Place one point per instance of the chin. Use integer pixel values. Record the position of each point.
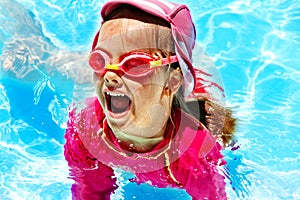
(119, 121)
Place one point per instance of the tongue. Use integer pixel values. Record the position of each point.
(119, 104)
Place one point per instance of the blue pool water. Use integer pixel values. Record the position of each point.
(255, 44)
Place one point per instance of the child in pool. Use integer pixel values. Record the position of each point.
(153, 114)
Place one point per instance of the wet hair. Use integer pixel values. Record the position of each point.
(131, 12)
(218, 119)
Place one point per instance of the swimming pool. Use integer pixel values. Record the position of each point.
(255, 44)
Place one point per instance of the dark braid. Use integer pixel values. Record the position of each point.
(216, 118)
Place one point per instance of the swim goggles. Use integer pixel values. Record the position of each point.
(134, 64)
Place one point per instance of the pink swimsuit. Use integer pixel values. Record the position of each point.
(188, 157)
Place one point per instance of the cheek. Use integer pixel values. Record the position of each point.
(99, 87)
(144, 91)
(147, 96)
(98, 81)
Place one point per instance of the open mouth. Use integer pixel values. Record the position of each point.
(117, 103)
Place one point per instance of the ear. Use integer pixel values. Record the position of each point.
(175, 80)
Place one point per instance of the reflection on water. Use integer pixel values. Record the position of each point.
(255, 44)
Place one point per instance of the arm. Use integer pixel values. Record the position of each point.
(93, 180)
(92, 184)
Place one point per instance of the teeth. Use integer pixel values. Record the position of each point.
(115, 95)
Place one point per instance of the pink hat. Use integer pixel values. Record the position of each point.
(184, 34)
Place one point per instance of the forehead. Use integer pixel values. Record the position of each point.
(120, 36)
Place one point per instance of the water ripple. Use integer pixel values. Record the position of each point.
(255, 45)
(24, 168)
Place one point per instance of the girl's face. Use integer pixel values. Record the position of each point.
(135, 107)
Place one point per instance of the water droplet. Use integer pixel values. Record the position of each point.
(162, 177)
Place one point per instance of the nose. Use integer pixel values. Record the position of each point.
(112, 80)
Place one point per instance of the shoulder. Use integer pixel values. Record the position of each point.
(196, 138)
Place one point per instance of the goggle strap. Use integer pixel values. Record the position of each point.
(164, 61)
(170, 60)
(156, 63)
